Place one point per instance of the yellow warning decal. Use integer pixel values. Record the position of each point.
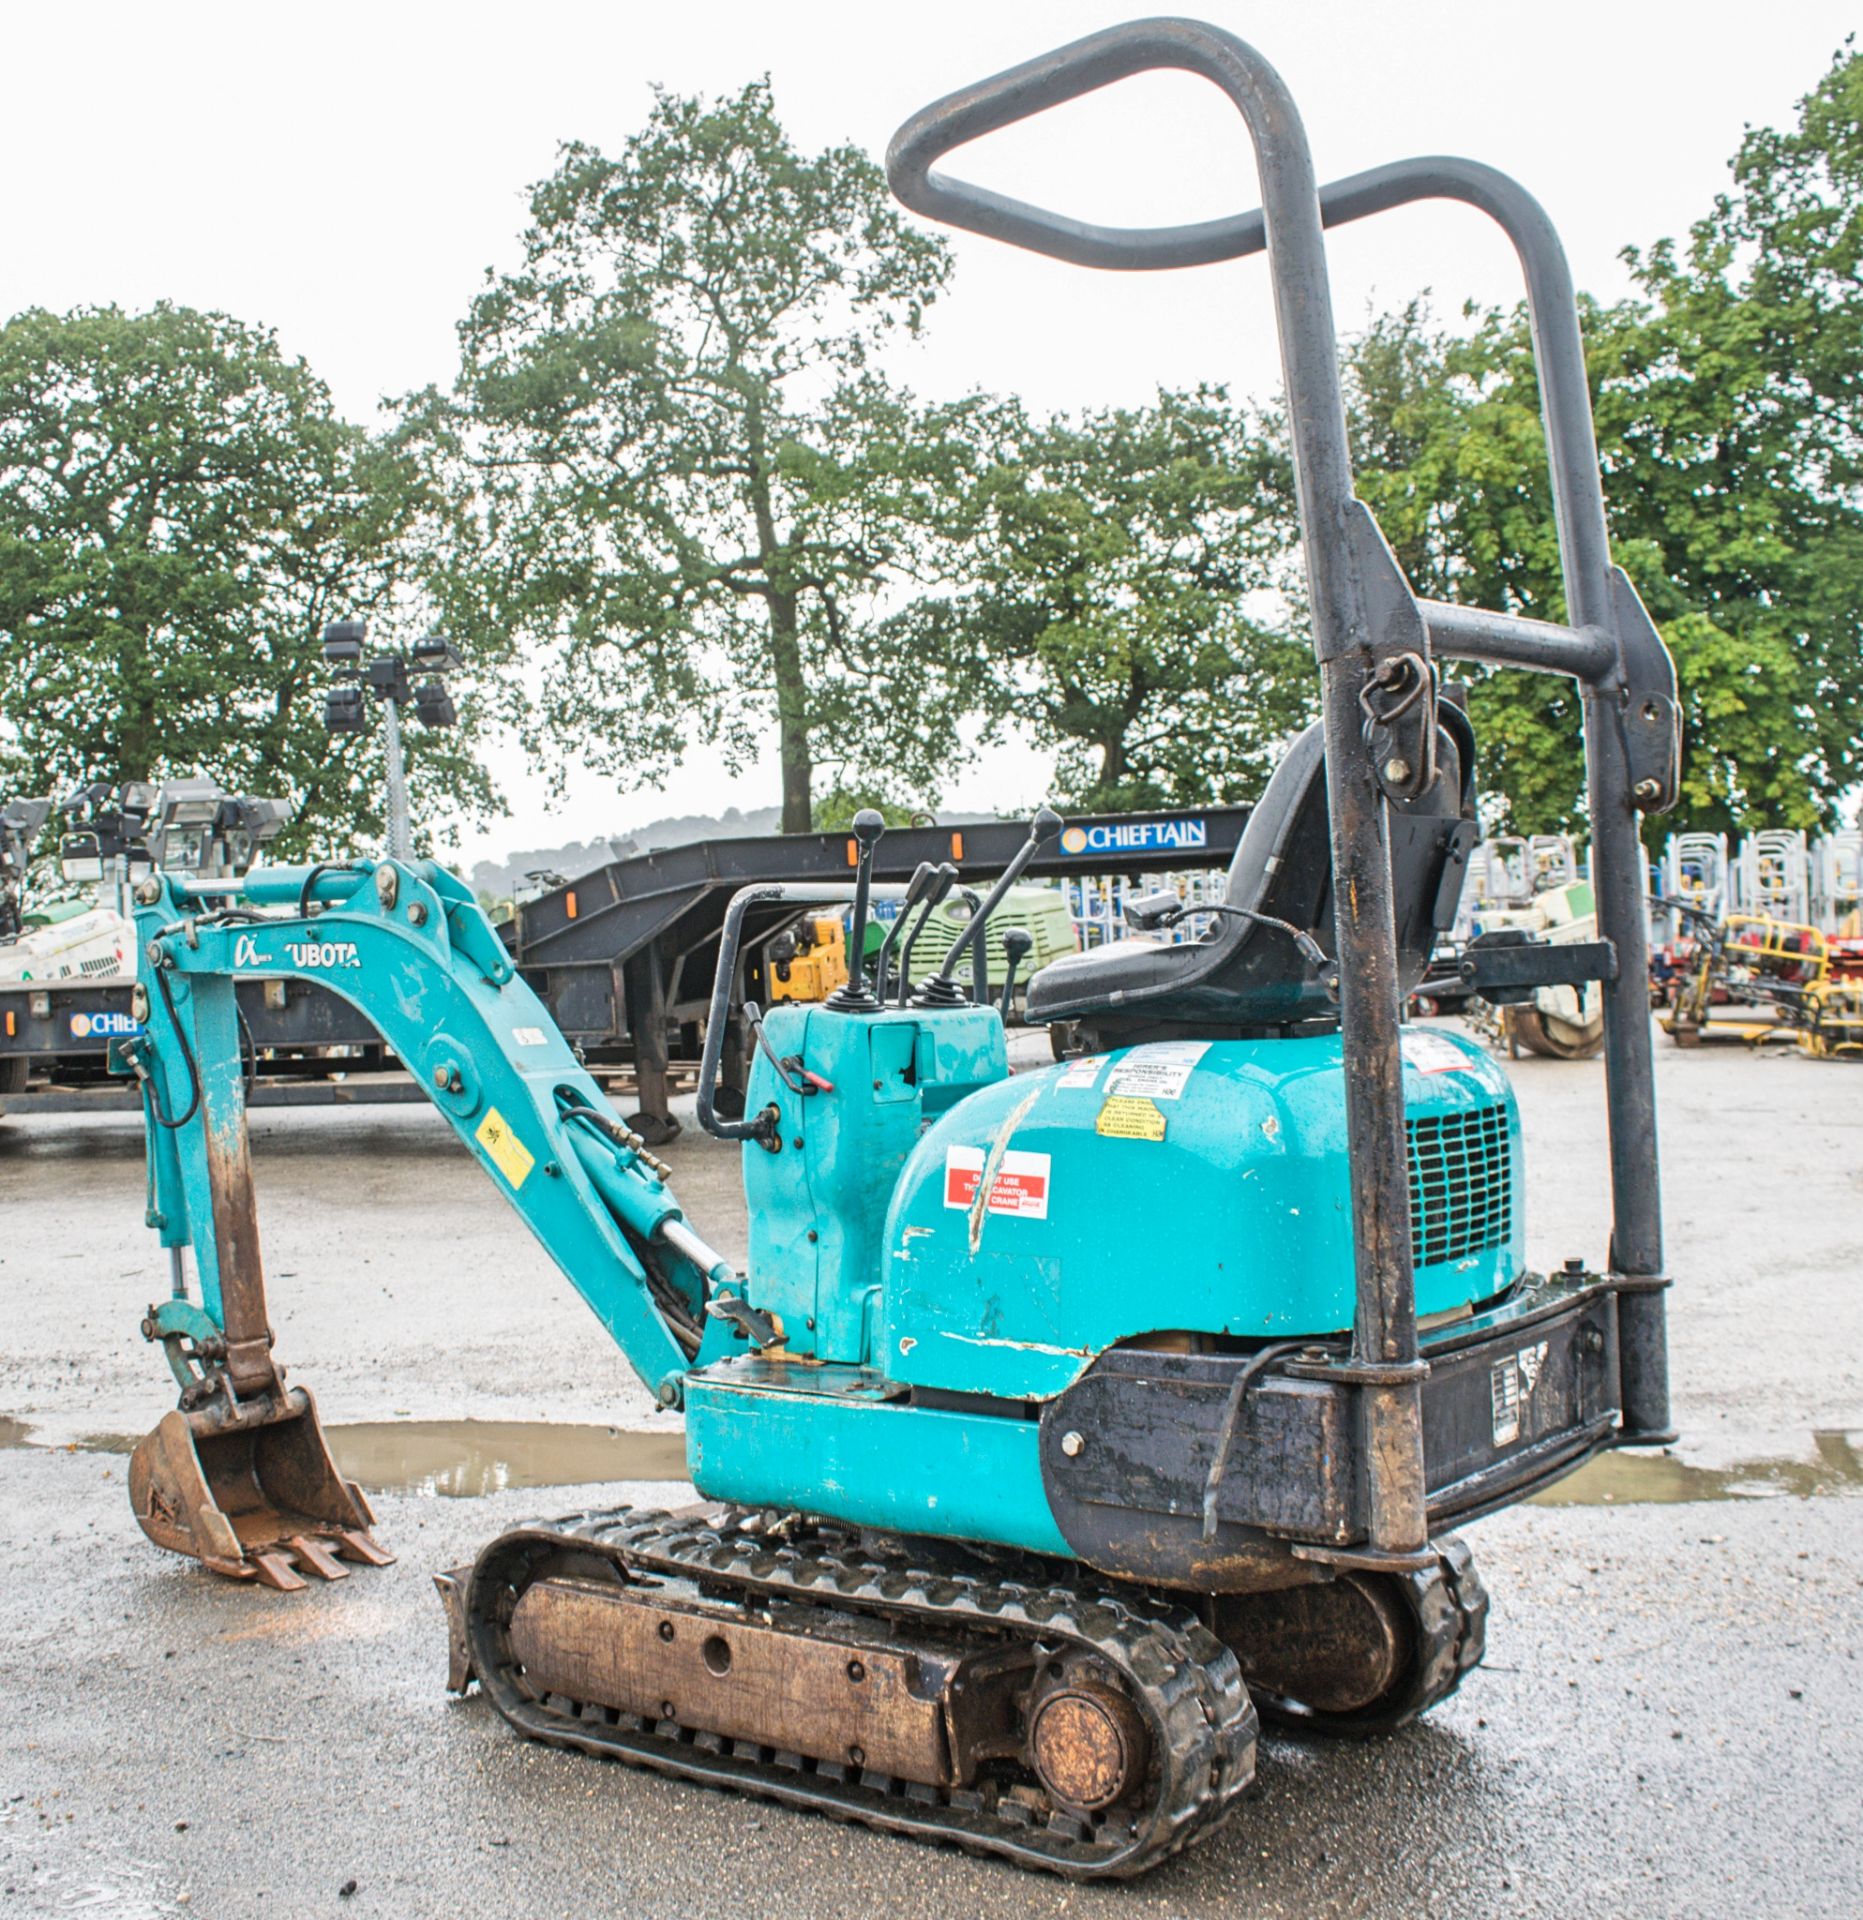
(508, 1153)
(1127, 1117)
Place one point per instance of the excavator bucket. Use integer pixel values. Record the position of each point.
(252, 1493)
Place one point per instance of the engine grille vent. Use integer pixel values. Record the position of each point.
(1461, 1184)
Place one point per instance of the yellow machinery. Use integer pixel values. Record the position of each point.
(1771, 980)
(807, 961)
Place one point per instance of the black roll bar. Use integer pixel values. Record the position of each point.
(1364, 616)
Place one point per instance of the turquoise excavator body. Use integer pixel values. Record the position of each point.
(1060, 1421)
(939, 1249)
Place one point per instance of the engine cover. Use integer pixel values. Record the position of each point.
(1196, 1186)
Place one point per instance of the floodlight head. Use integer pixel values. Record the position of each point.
(80, 857)
(387, 676)
(435, 653)
(81, 802)
(20, 821)
(187, 804)
(135, 801)
(260, 820)
(342, 644)
(343, 710)
(434, 705)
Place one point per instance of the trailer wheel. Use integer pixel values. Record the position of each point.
(1552, 1039)
(14, 1067)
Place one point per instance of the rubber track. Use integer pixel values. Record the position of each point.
(1185, 1682)
(1449, 1607)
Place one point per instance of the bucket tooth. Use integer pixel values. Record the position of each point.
(352, 1543)
(276, 1571)
(249, 1489)
(317, 1557)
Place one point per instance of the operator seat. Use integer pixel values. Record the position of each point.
(1243, 976)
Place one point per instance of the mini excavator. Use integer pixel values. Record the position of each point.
(1063, 1422)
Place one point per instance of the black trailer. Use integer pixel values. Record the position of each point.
(623, 956)
(59, 1032)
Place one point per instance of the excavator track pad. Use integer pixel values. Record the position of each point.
(1006, 1704)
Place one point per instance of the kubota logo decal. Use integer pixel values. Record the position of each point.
(323, 953)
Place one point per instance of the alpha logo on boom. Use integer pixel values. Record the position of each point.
(302, 953)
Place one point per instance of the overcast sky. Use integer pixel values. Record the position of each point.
(346, 173)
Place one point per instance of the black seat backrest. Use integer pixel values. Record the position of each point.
(1246, 975)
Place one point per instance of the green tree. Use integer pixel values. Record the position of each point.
(1118, 560)
(700, 506)
(181, 512)
(1729, 402)
(1735, 422)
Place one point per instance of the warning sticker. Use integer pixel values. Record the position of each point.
(1433, 1053)
(1126, 1118)
(1082, 1072)
(1510, 1390)
(1158, 1070)
(1504, 1399)
(1020, 1187)
(506, 1151)
(530, 1036)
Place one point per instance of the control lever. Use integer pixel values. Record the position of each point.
(915, 892)
(979, 963)
(941, 990)
(853, 995)
(1018, 944)
(944, 878)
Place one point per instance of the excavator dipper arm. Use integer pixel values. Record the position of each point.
(409, 947)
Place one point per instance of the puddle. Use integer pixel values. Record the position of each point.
(1633, 1478)
(459, 1459)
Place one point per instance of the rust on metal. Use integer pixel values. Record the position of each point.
(252, 1493)
(798, 1687)
(1336, 1646)
(243, 1312)
(1087, 1745)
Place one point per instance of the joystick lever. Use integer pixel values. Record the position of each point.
(854, 996)
(941, 989)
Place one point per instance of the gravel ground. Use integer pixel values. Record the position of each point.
(1668, 1722)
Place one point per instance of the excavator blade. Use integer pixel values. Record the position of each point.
(252, 1493)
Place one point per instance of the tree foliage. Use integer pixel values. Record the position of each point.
(181, 512)
(702, 507)
(1117, 561)
(1729, 403)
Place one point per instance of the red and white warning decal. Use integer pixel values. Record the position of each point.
(1433, 1053)
(1020, 1186)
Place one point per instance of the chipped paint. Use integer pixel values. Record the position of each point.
(993, 1163)
(1019, 1346)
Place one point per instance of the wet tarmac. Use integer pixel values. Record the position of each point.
(1668, 1722)
(464, 1459)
